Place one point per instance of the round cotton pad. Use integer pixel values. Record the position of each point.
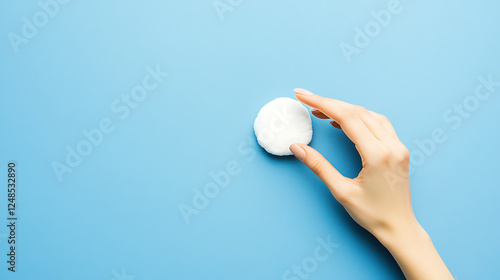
(281, 123)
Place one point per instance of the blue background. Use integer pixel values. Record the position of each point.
(119, 209)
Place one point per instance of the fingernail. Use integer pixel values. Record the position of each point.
(335, 124)
(303, 91)
(298, 152)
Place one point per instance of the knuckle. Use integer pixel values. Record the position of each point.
(345, 197)
(361, 109)
(384, 156)
(342, 198)
(380, 117)
(390, 156)
(383, 118)
(403, 155)
(345, 114)
(384, 151)
(317, 168)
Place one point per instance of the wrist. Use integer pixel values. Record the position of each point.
(402, 234)
(412, 248)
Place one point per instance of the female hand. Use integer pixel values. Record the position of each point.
(379, 198)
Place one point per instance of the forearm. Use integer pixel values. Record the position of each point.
(415, 254)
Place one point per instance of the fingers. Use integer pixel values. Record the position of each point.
(335, 124)
(379, 125)
(375, 126)
(320, 115)
(346, 115)
(385, 123)
(335, 181)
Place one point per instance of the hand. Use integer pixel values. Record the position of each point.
(379, 198)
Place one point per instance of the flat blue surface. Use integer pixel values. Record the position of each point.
(116, 214)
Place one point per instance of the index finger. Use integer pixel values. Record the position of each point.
(343, 113)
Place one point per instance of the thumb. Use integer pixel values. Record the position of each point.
(335, 181)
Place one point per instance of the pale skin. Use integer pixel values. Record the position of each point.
(379, 198)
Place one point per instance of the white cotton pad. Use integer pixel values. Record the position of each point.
(281, 123)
